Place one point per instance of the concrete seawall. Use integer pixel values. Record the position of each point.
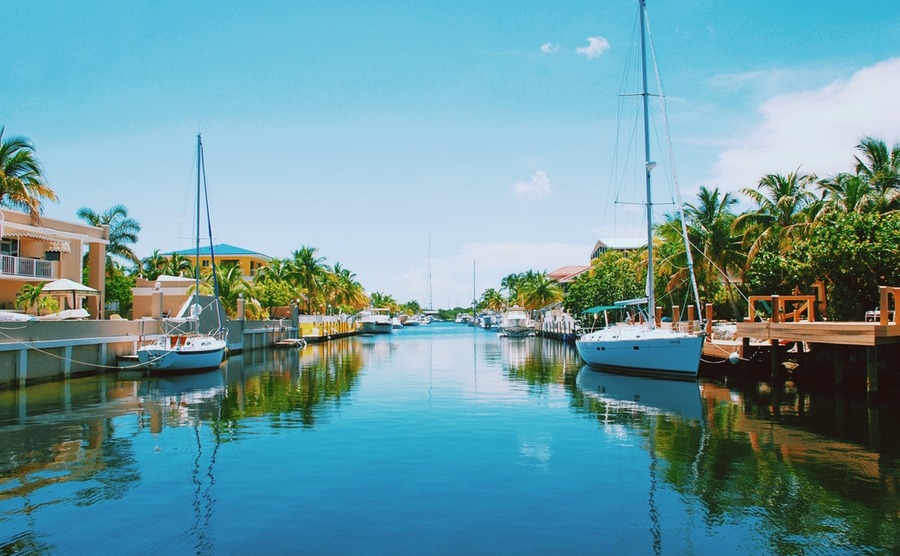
(42, 351)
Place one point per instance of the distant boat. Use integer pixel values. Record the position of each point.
(644, 346)
(183, 348)
(376, 321)
(516, 322)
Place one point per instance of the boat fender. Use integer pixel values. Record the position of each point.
(734, 358)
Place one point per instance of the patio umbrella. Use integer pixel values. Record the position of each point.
(64, 286)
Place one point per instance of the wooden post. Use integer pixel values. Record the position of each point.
(872, 370)
(676, 316)
(838, 366)
(658, 315)
(709, 319)
(691, 318)
(883, 307)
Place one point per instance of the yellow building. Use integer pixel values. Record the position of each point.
(33, 251)
(249, 261)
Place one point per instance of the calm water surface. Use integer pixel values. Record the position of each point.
(441, 439)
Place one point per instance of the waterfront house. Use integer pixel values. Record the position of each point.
(617, 244)
(35, 251)
(249, 261)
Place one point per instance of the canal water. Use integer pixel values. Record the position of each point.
(442, 439)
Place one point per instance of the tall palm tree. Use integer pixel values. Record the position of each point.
(881, 168)
(22, 183)
(345, 289)
(123, 230)
(717, 252)
(307, 272)
(785, 210)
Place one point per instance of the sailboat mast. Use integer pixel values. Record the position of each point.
(648, 167)
(197, 235)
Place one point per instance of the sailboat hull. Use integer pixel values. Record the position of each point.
(642, 351)
(198, 353)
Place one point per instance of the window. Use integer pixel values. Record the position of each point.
(9, 247)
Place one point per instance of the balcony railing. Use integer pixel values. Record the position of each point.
(20, 266)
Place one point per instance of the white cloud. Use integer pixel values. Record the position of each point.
(534, 190)
(549, 48)
(596, 46)
(815, 130)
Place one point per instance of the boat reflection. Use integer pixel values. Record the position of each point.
(679, 398)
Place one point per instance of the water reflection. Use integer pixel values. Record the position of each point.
(758, 458)
(536, 361)
(788, 471)
(81, 432)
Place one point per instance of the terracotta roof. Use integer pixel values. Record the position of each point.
(567, 273)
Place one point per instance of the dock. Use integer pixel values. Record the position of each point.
(786, 326)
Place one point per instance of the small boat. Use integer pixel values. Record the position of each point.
(640, 345)
(183, 348)
(376, 321)
(516, 323)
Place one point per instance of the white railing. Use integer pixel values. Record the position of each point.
(20, 266)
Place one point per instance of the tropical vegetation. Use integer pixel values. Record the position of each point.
(800, 228)
(22, 183)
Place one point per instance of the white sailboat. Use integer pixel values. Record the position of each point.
(183, 348)
(645, 346)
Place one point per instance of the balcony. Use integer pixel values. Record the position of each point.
(33, 268)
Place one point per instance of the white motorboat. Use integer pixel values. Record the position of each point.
(516, 322)
(645, 346)
(376, 321)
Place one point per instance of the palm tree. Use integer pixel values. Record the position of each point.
(881, 168)
(22, 184)
(379, 299)
(846, 193)
(179, 265)
(307, 273)
(276, 270)
(716, 248)
(785, 211)
(493, 300)
(151, 267)
(29, 295)
(123, 230)
(537, 291)
(344, 290)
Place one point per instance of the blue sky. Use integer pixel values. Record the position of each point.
(371, 130)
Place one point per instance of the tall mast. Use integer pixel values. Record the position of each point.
(648, 167)
(429, 274)
(197, 235)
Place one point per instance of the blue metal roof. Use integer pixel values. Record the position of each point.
(221, 250)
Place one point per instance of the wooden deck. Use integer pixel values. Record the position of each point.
(823, 332)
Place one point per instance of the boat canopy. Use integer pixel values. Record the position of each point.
(628, 302)
(595, 310)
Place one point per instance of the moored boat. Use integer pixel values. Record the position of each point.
(183, 347)
(640, 344)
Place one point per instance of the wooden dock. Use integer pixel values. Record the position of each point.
(801, 325)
